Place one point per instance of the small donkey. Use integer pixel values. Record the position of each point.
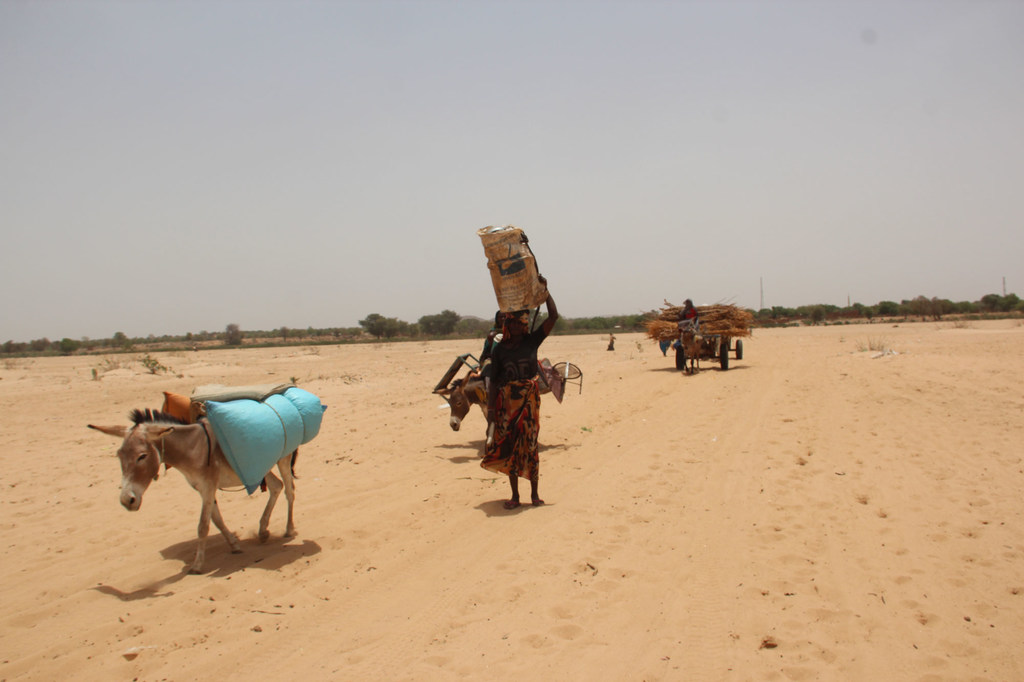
(157, 438)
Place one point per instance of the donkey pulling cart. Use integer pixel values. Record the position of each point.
(717, 333)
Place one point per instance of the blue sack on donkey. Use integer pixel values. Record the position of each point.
(255, 434)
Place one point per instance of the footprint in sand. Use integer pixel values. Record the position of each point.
(568, 631)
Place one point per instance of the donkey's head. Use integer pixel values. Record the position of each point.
(140, 453)
(459, 404)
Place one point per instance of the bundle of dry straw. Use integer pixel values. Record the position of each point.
(661, 330)
(727, 320)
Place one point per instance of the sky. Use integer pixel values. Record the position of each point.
(174, 167)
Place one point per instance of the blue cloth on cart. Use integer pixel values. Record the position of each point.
(254, 435)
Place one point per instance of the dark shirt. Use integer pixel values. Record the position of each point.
(489, 345)
(519, 362)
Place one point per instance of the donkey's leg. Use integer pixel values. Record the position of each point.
(274, 489)
(285, 467)
(207, 492)
(218, 521)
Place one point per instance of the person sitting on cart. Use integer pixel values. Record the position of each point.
(688, 320)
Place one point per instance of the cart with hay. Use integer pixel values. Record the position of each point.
(720, 332)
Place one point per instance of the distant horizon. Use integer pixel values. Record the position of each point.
(483, 318)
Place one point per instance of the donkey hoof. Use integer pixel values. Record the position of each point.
(264, 535)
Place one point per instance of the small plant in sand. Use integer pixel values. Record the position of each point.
(878, 344)
(961, 324)
(153, 365)
(109, 365)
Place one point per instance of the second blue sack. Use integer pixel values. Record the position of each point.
(254, 435)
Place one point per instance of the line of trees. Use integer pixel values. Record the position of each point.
(921, 306)
(232, 335)
(448, 323)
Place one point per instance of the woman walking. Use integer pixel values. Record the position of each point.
(513, 402)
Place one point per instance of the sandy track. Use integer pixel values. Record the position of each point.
(862, 514)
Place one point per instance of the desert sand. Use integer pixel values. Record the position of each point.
(820, 511)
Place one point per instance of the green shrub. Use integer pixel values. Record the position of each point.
(153, 365)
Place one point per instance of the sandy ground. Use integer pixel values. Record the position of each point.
(818, 512)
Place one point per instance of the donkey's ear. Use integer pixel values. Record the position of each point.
(154, 434)
(119, 431)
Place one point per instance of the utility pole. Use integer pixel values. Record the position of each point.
(1004, 286)
(762, 292)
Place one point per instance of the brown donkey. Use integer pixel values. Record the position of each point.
(471, 390)
(691, 344)
(157, 438)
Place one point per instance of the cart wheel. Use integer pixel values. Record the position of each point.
(680, 358)
(739, 349)
(723, 354)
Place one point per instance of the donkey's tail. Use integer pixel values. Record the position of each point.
(291, 465)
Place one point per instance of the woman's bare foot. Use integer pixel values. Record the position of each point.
(511, 504)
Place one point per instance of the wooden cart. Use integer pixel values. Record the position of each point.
(720, 331)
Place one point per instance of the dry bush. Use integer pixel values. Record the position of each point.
(879, 344)
(110, 364)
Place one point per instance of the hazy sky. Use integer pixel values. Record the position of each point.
(168, 167)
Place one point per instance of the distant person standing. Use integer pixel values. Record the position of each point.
(611, 342)
(513, 402)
